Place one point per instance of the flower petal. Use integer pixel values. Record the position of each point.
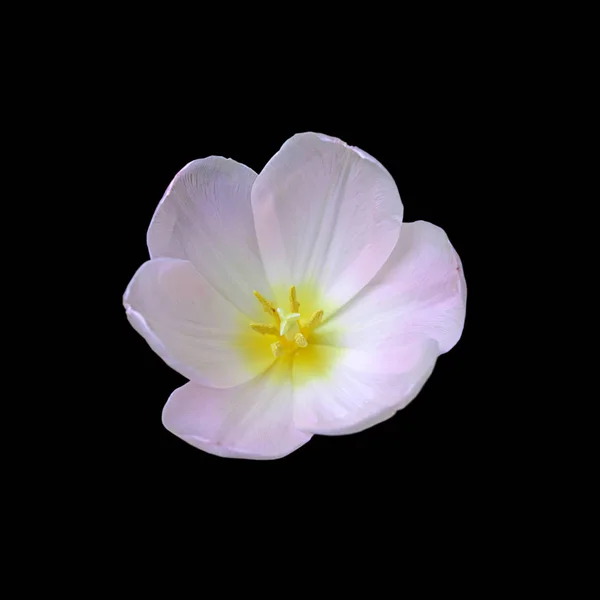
(249, 421)
(327, 216)
(384, 343)
(419, 293)
(362, 388)
(191, 326)
(206, 217)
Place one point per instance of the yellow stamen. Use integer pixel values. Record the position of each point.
(267, 306)
(277, 349)
(300, 340)
(291, 332)
(264, 328)
(294, 304)
(314, 320)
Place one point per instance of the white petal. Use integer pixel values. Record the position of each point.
(250, 421)
(327, 216)
(191, 326)
(206, 217)
(419, 293)
(362, 388)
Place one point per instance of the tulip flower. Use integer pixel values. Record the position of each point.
(295, 301)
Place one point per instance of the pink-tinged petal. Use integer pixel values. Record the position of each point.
(191, 326)
(327, 217)
(253, 420)
(419, 293)
(384, 343)
(361, 389)
(206, 217)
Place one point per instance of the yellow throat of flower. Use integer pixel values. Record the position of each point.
(289, 330)
(290, 338)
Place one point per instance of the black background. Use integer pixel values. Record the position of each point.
(432, 143)
(453, 118)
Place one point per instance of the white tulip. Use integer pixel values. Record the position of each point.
(295, 301)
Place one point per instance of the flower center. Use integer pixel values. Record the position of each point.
(289, 328)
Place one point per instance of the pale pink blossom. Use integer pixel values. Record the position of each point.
(295, 301)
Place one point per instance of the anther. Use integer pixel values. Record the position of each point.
(294, 304)
(300, 340)
(264, 328)
(277, 349)
(314, 320)
(267, 306)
